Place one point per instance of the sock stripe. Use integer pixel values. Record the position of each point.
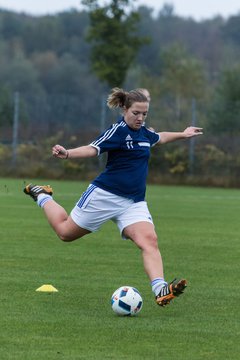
(158, 285)
(157, 280)
(43, 199)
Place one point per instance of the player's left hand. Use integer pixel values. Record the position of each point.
(192, 131)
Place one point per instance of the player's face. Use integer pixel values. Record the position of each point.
(135, 116)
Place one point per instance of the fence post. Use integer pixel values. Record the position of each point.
(15, 128)
(192, 140)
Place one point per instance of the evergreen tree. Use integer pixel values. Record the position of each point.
(226, 109)
(115, 44)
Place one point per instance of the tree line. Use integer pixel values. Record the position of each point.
(47, 60)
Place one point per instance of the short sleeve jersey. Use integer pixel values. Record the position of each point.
(127, 163)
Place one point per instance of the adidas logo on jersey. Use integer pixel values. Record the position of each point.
(128, 138)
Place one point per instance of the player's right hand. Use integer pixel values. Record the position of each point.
(59, 151)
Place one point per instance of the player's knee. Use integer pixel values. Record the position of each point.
(148, 241)
(70, 232)
(66, 237)
(152, 240)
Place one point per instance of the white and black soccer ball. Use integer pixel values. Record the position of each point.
(126, 301)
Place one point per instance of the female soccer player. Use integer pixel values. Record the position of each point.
(118, 193)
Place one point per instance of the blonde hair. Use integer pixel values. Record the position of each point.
(120, 98)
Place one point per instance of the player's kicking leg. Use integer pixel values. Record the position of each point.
(61, 222)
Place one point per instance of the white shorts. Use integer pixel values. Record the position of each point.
(96, 206)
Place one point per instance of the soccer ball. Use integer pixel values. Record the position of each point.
(126, 301)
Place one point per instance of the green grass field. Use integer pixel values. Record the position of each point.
(199, 239)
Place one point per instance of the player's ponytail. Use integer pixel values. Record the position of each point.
(118, 98)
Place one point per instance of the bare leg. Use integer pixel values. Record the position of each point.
(144, 236)
(62, 224)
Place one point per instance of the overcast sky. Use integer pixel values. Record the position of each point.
(199, 10)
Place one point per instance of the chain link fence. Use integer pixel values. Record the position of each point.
(40, 122)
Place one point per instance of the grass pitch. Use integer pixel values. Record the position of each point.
(198, 232)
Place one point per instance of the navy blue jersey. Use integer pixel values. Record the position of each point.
(127, 164)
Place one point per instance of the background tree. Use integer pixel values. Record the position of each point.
(182, 75)
(115, 43)
(226, 110)
(47, 60)
(231, 29)
(6, 106)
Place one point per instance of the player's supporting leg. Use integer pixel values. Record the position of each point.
(57, 216)
(144, 236)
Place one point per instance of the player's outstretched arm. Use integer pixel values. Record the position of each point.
(80, 152)
(189, 132)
